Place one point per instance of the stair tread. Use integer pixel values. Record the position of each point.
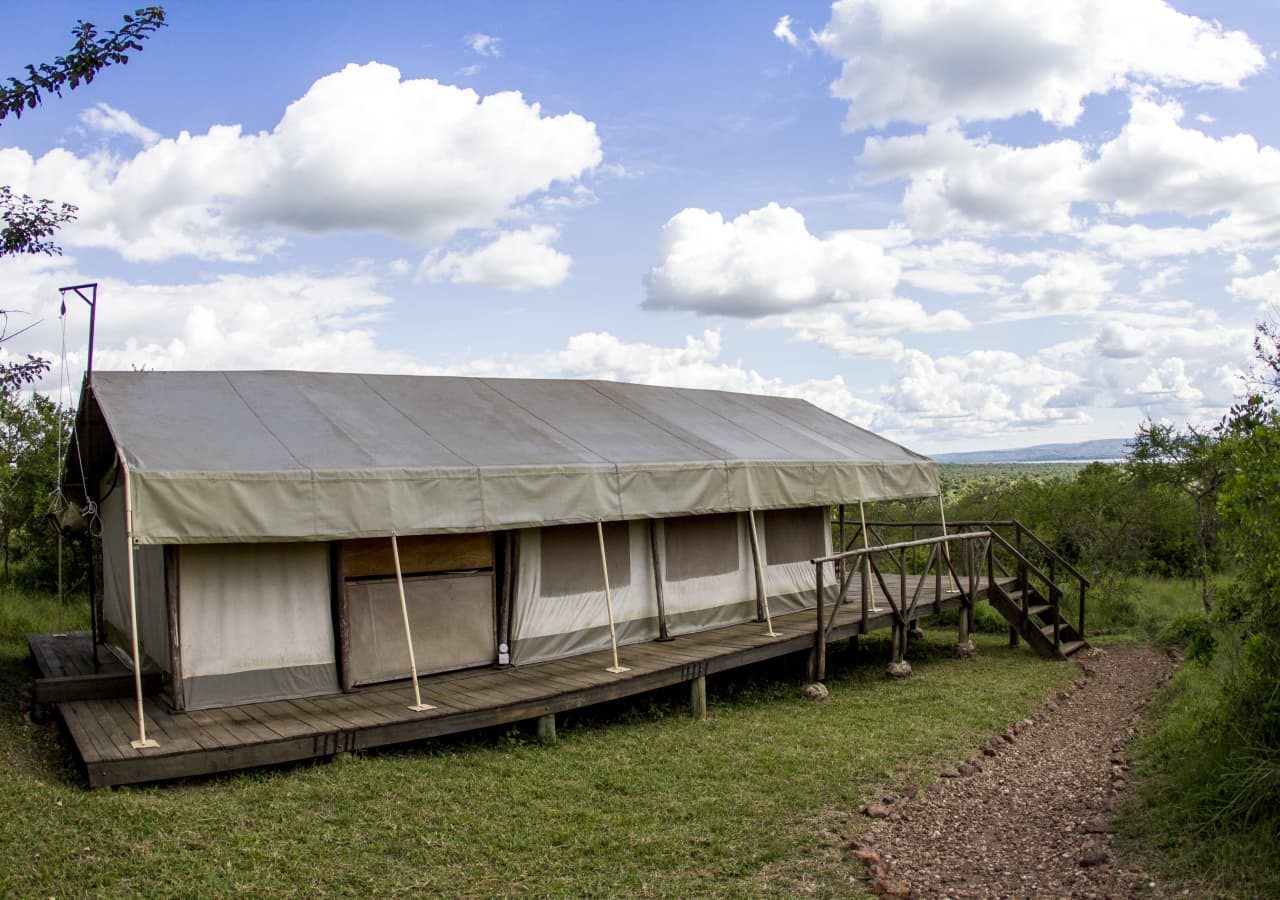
(1070, 647)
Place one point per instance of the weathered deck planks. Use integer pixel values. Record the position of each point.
(280, 731)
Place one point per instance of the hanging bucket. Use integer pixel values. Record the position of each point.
(66, 519)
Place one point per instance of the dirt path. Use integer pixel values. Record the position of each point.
(1030, 815)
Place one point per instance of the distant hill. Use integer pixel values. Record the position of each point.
(1107, 449)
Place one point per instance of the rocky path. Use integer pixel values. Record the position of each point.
(1029, 815)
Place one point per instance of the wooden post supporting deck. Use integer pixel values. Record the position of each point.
(820, 637)
(698, 697)
(547, 729)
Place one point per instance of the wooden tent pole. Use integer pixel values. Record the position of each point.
(143, 741)
(61, 628)
(868, 589)
(418, 705)
(617, 668)
(946, 548)
(764, 586)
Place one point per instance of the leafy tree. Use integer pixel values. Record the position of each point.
(91, 54)
(30, 431)
(1193, 461)
(27, 225)
(1266, 348)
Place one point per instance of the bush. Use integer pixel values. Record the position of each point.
(1193, 634)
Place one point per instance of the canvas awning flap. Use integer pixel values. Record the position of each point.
(274, 456)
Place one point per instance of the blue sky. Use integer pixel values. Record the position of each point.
(964, 225)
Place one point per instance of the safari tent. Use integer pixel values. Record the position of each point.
(260, 508)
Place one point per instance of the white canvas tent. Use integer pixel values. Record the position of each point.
(263, 503)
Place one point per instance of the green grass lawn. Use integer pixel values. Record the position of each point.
(635, 799)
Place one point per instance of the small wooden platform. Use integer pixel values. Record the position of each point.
(220, 740)
(69, 671)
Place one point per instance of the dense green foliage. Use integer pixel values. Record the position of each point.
(32, 430)
(1187, 503)
(1212, 764)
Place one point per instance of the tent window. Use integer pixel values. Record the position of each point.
(698, 546)
(571, 558)
(794, 535)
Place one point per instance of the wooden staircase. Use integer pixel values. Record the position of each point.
(1036, 620)
(1039, 592)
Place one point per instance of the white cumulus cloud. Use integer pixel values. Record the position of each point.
(764, 261)
(361, 150)
(515, 260)
(782, 31)
(929, 61)
(109, 120)
(484, 44)
(962, 184)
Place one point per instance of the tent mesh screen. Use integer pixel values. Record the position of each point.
(698, 546)
(571, 558)
(794, 535)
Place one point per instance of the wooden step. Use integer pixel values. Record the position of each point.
(1069, 647)
(1039, 609)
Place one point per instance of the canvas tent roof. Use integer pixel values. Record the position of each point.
(271, 456)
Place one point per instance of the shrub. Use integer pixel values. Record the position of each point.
(1193, 634)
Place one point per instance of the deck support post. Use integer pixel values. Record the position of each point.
(617, 668)
(899, 667)
(698, 698)
(820, 635)
(965, 647)
(143, 741)
(547, 729)
(418, 705)
(868, 596)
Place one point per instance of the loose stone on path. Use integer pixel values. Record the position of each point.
(1035, 819)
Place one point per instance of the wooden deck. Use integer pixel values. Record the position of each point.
(217, 740)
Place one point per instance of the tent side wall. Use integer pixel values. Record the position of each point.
(153, 621)
(256, 623)
(789, 538)
(708, 578)
(559, 606)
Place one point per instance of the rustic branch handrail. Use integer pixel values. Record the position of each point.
(1021, 557)
(987, 523)
(922, 542)
(1053, 554)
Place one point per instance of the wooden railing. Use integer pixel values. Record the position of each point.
(1019, 551)
(964, 571)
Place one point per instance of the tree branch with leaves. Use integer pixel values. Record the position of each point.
(1192, 461)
